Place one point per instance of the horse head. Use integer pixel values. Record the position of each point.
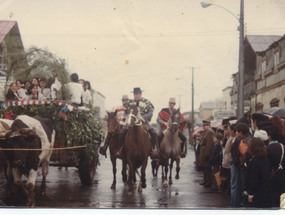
(174, 120)
(133, 116)
(112, 122)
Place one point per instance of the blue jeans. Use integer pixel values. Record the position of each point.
(235, 187)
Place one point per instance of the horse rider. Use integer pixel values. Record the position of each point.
(121, 118)
(162, 119)
(146, 109)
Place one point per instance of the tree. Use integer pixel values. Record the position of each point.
(34, 62)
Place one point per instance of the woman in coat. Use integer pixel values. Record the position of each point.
(258, 175)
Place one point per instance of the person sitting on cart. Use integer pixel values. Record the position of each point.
(75, 90)
(120, 113)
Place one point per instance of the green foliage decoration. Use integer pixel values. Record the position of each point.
(79, 127)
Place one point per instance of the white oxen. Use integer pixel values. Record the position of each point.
(27, 133)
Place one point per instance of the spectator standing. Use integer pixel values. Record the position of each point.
(258, 175)
(207, 145)
(276, 151)
(226, 165)
(197, 145)
(276, 120)
(216, 161)
(235, 174)
(243, 131)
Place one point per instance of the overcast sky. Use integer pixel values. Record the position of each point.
(122, 44)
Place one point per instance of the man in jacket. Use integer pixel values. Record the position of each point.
(162, 119)
(146, 109)
(207, 145)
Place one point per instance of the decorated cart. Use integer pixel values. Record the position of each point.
(78, 132)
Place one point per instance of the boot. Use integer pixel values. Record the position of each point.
(183, 145)
(182, 153)
(103, 149)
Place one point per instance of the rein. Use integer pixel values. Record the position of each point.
(137, 122)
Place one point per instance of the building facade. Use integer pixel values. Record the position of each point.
(270, 77)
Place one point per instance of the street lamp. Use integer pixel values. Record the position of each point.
(240, 97)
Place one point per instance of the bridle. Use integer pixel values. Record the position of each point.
(137, 121)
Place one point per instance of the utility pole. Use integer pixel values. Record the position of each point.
(240, 99)
(192, 112)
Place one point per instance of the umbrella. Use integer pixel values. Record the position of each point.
(275, 111)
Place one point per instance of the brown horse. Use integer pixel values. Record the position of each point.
(114, 147)
(137, 146)
(170, 148)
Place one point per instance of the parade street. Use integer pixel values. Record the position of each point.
(64, 190)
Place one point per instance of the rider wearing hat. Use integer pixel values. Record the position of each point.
(120, 114)
(162, 119)
(146, 109)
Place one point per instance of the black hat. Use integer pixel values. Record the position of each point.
(206, 122)
(263, 124)
(259, 117)
(137, 90)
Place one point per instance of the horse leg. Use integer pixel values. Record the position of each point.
(162, 172)
(177, 168)
(143, 179)
(165, 184)
(170, 174)
(132, 175)
(124, 171)
(114, 163)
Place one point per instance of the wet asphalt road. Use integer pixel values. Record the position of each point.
(64, 190)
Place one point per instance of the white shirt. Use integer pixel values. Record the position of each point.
(44, 94)
(55, 87)
(75, 91)
(87, 97)
(22, 94)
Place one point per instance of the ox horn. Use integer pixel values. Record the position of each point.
(3, 135)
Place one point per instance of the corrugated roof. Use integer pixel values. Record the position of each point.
(5, 28)
(260, 43)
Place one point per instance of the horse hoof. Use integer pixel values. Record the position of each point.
(170, 182)
(140, 189)
(113, 187)
(165, 184)
(130, 193)
(177, 177)
(135, 185)
(143, 185)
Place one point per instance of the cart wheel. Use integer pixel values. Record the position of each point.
(86, 169)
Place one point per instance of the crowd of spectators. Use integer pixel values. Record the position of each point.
(246, 159)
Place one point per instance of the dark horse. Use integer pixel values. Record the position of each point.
(170, 148)
(137, 146)
(114, 147)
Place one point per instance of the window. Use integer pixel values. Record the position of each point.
(276, 57)
(263, 65)
(274, 102)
